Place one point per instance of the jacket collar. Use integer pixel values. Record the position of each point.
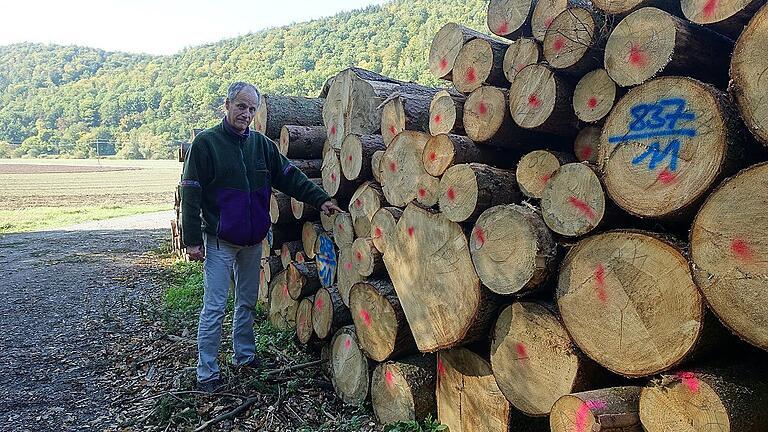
(230, 130)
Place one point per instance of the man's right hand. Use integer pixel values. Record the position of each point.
(196, 253)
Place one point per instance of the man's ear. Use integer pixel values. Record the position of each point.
(226, 104)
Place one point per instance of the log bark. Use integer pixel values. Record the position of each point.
(621, 8)
(726, 18)
(343, 230)
(446, 113)
(594, 96)
(366, 201)
(587, 144)
(289, 250)
(383, 227)
(445, 47)
(606, 410)
(382, 328)
(334, 183)
(303, 280)
(510, 18)
(325, 257)
(404, 390)
(351, 369)
(305, 212)
(747, 87)
(629, 301)
(536, 168)
(574, 44)
(282, 308)
(330, 312)
(404, 112)
(304, 332)
(480, 62)
(665, 145)
(272, 265)
(726, 251)
(367, 260)
(302, 142)
(487, 121)
(425, 244)
(466, 190)
(401, 165)
(535, 362)
(650, 42)
(276, 111)
(542, 101)
(468, 398)
(573, 202)
(357, 154)
(521, 53)
(444, 151)
(512, 249)
(280, 234)
(731, 398)
(312, 168)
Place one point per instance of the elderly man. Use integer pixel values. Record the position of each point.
(225, 190)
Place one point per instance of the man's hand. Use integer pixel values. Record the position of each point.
(196, 253)
(328, 208)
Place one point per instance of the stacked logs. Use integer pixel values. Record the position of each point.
(178, 249)
(554, 243)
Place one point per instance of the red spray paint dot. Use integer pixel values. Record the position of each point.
(545, 178)
(533, 100)
(592, 103)
(471, 75)
(666, 177)
(709, 8)
(558, 44)
(602, 293)
(347, 344)
(333, 130)
(440, 367)
(392, 166)
(390, 379)
(377, 232)
(503, 28)
(422, 193)
(349, 158)
(438, 118)
(319, 303)
(637, 57)
(741, 250)
(358, 256)
(285, 290)
(586, 153)
(366, 317)
(341, 227)
(583, 207)
(432, 156)
(410, 231)
(451, 194)
(689, 381)
(358, 203)
(548, 22)
(480, 236)
(348, 266)
(522, 351)
(443, 63)
(392, 130)
(482, 108)
(333, 177)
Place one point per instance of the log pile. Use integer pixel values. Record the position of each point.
(553, 243)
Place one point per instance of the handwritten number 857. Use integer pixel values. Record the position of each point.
(664, 114)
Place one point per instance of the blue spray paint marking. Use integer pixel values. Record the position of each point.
(654, 121)
(326, 260)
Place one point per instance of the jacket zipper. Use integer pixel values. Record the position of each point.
(248, 189)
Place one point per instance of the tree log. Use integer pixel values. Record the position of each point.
(512, 249)
(383, 227)
(302, 142)
(381, 325)
(468, 398)
(605, 410)
(325, 257)
(666, 144)
(542, 101)
(466, 190)
(282, 308)
(480, 62)
(401, 165)
(727, 18)
(367, 260)
(748, 86)
(312, 168)
(427, 190)
(347, 274)
(263, 297)
(536, 168)
(404, 391)
(510, 18)
(328, 221)
(351, 369)
(629, 301)
(279, 234)
(521, 53)
(487, 120)
(534, 360)
(276, 111)
(288, 252)
(357, 154)
(424, 245)
(446, 113)
(621, 8)
(727, 246)
(574, 44)
(727, 399)
(444, 151)
(594, 96)
(405, 112)
(573, 202)
(334, 183)
(280, 211)
(587, 143)
(649, 42)
(305, 212)
(303, 280)
(330, 312)
(366, 201)
(272, 265)
(304, 332)
(376, 165)
(445, 47)
(343, 230)
(545, 12)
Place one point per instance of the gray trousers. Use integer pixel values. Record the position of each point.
(222, 260)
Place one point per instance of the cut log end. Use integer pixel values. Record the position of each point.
(475, 66)
(309, 233)
(282, 308)
(466, 190)
(485, 110)
(586, 144)
(356, 153)
(534, 171)
(521, 53)
(544, 14)
(685, 401)
(347, 274)
(404, 391)
(570, 37)
(383, 227)
(445, 114)
(366, 201)
(401, 165)
(332, 176)
(304, 331)
(351, 376)
(366, 259)
(594, 96)
(343, 230)
(329, 313)
(508, 18)
(748, 65)
(379, 320)
(608, 409)
(573, 201)
(537, 98)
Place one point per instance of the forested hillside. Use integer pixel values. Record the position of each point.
(56, 99)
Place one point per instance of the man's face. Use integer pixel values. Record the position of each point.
(241, 110)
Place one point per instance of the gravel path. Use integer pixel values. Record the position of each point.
(67, 295)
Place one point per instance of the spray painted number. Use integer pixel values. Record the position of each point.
(655, 122)
(326, 260)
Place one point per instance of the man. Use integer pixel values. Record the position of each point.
(228, 178)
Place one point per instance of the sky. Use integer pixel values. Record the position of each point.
(154, 26)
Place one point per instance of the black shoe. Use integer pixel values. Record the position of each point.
(209, 386)
(257, 363)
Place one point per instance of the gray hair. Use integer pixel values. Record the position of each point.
(238, 86)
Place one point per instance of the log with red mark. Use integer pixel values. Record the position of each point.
(602, 293)
(689, 380)
(742, 250)
(533, 101)
(583, 207)
(366, 317)
(637, 57)
(480, 236)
